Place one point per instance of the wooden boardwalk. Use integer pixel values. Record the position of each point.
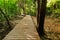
(24, 30)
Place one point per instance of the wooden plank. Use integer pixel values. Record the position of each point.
(24, 30)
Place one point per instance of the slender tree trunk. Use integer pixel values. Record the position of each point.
(24, 8)
(21, 4)
(19, 7)
(55, 6)
(41, 13)
(24, 11)
(38, 12)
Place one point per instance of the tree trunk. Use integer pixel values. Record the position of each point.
(21, 4)
(41, 13)
(38, 12)
(24, 8)
(19, 13)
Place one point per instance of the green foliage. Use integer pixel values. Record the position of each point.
(56, 13)
(9, 7)
(31, 7)
(49, 11)
(53, 8)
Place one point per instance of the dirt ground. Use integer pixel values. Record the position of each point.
(51, 27)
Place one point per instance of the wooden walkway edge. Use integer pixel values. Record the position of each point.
(24, 30)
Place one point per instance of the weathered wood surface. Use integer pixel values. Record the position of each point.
(24, 30)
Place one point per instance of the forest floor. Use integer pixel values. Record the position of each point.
(51, 27)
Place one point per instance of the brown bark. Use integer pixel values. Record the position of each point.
(38, 12)
(41, 13)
